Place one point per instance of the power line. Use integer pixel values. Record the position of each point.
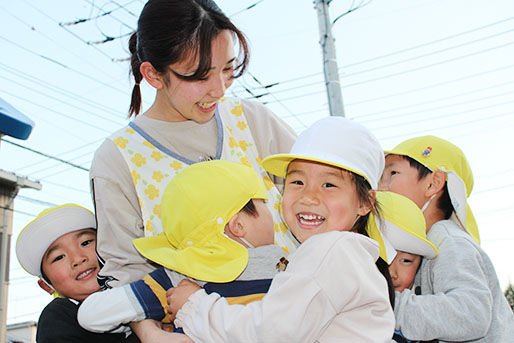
(46, 155)
(245, 9)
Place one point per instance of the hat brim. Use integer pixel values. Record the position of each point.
(408, 241)
(220, 259)
(278, 164)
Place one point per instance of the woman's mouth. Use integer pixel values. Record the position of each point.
(207, 106)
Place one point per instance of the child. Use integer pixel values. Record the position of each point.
(331, 289)
(217, 230)
(461, 297)
(59, 248)
(403, 225)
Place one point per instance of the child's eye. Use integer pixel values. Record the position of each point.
(405, 260)
(296, 182)
(87, 242)
(328, 184)
(58, 258)
(393, 172)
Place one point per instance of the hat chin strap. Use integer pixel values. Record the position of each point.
(250, 245)
(427, 203)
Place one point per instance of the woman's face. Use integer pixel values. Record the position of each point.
(196, 100)
(319, 198)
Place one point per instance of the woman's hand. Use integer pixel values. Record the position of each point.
(151, 331)
(177, 296)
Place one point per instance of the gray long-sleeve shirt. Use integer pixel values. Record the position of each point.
(461, 297)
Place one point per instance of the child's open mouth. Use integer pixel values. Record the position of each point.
(310, 219)
(85, 274)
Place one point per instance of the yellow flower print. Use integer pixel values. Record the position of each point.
(241, 125)
(138, 159)
(232, 142)
(223, 99)
(283, 227)
(148, 144)
(130, 130)
(152, 192)
(237, 110)
(229, 129)
(135, 177)
(157, 176)
(258, 159)
(246, 161)
(121, 142)
(156, 155)
(285, 249)
(278, 206)
(276, 228)
(243, 145)
(157, 210)
(267, 182)
(149, 226)
(176, 165)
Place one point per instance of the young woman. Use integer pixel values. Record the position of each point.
(185, 50)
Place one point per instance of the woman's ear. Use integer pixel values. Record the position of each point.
(152, 76)
(45, 286)
(437, 182)
(236, 226)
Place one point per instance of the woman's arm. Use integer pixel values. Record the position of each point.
(151, 331)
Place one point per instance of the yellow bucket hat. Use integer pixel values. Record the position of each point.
(401, 226)
(438, 154)
(196, 206)
(338, 142)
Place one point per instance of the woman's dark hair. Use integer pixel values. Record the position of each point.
(444, 203)
(365, 196)
(169, 31)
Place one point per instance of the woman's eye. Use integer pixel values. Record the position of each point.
(328, 184)
(393, 172)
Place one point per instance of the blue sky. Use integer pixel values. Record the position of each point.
(407, 68)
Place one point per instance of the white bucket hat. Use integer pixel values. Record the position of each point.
(335, 141)
(52, 223)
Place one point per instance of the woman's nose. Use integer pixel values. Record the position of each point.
(218, 86)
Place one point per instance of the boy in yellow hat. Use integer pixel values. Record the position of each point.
(217, 231)
(59, 248)
(461, 297)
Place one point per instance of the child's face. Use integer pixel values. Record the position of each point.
(319, 198)
(403, 270)
(259, 228)
(71, 265)
(399, 177)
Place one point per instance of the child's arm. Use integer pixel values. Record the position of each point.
(150, 331)
(460, 306)
(328, 276)
(142, 299)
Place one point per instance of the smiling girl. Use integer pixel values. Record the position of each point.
(184, 49)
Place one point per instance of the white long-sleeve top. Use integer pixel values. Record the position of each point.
(331, 291)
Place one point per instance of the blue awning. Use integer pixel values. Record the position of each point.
(14, 123)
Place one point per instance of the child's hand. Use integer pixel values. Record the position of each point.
(177, 296)
(150, 331)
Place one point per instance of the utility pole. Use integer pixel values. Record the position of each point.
(15, 124)
(334, 94)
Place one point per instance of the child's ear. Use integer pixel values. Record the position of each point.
(366, 207)
(45, 286)
(236, 226)
(152, 76)
(437, 182)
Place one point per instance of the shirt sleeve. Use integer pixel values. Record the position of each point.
(460, 308)
(271, 134)
(118, 216)
(324, 280)
(108, 310)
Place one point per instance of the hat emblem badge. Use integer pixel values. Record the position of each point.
(426, 152)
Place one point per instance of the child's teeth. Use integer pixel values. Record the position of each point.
(206, 105)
